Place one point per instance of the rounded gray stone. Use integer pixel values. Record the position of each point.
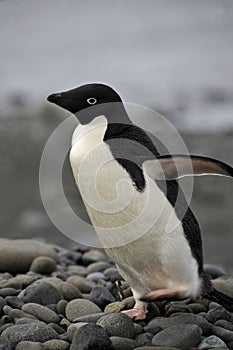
(61, 306)
(99, 266)
(26, 345)
(81, 283)
(69, 291)
(181, 336)
(101, 296)
(36, 331)
(90, 337)
(43, 265)
(180, 318)
(41, 312)
(55, 344)
(224, 334)
(120, 343)
(80, 307)
(41, 292)
(17, 255)
(211, 342)
(73, 328)
(93, 256)
(117, 324)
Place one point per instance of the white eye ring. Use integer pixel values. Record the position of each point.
(91, 100)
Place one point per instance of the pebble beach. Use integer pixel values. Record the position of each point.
(57, 298)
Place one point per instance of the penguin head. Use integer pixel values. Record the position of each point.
(100, 97)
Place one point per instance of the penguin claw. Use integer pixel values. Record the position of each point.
(136, 313)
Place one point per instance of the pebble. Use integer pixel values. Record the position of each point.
(177, 307)
(93, 256)
(99, 266)
(14, 302)
(17, 255)
(26, 345)
(101, 296)
(69, 291)
(96, 276)
(41, 312)
(120, 343)
(38, 332)
(55, 344)
(224, 324)
(182, 336)
(211, 342)
(43, 265)
(73, 328)
(78, 270)
(2, 303)
(175, 319)
(91, 337)
(8, 291)
(41, 292)
(24, 320)
(81, 283)
(144, 339)
(57, 328)
(80, 307)
(219, 313)
(16, 313)
(17, 282)
(197, 308)
(114, 307)
(224, 334)
(61, 306)
(224, 285)
(90, 318)
(117, 324)
(113, 274)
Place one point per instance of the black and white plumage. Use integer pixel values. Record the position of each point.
(157, 264)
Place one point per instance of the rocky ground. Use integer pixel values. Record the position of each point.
(55, 298)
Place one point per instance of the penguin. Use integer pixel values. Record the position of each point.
(131, 192)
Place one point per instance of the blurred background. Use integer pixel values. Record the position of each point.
(175, 56)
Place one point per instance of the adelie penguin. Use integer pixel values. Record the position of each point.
(131, 193)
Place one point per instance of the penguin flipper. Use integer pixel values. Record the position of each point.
(171, 167)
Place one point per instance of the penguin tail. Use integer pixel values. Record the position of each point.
(221, 298)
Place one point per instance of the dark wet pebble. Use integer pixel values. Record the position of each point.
(117, 324)
(182, 336)
(101, 296)
(41, 292)
(177, 307)
(90, 337)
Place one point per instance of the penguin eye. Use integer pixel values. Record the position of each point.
(91, 100)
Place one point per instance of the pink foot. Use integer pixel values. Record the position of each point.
(138, 312)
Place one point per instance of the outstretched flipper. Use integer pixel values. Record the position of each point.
(171, 167)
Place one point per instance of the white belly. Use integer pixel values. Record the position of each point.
(131, 224)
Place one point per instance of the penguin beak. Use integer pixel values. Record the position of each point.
(54, 98)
